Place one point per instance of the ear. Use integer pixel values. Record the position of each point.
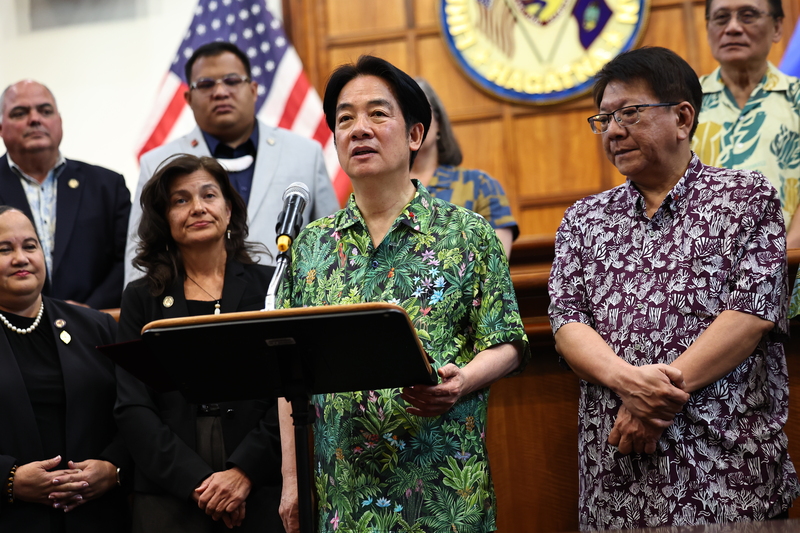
(228, 210)
(685, 119)
(415, 136)
(778, 27)
(187, 95)
(254, 88)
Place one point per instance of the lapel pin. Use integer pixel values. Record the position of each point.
(73, 183)
(60, 323)
(65, 337)
(168, 301)
(194, 143)
(271, 141)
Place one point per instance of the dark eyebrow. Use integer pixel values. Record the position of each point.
(371, 103)
(27, 108)
(24, 241)
(203, 188)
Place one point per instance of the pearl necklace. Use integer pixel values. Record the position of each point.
(25, 331)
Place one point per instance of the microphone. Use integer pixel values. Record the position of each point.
(290, 221)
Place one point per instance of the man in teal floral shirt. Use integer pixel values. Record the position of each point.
(411, 460)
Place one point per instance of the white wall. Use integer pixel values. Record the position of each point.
(104, 75)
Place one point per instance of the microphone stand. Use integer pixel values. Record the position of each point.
(281, 264)
(302, 414)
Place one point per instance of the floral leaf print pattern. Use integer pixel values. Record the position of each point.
(760, 136)
(650, 287)
(786, 148)
(379, 468)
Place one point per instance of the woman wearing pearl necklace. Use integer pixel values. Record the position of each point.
(196, 465)
(60, 452)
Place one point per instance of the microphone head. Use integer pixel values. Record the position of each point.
(297, 188)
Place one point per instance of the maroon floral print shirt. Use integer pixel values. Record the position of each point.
(650, 287)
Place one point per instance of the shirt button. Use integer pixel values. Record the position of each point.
(646, 270)
(739, 146)
(375, 264)
(639, 306)
(638, 346)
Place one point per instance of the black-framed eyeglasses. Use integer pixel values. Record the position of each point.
(625, 116)
(231, 80)
(745, 15)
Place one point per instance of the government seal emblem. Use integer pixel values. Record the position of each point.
(539, 51)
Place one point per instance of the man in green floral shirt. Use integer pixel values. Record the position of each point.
(411, 460)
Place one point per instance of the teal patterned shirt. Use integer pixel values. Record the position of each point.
(378, 468)
(762, 136)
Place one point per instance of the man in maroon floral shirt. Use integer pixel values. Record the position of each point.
(668, 299)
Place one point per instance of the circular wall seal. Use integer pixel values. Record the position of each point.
(539, 51)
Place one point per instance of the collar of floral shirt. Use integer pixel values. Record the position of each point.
(774, 80)
(416, 215)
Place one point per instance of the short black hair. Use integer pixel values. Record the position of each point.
(775, 9)
(668, 75)
(411, 99)
(214, 49)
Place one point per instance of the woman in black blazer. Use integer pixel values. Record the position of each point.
(60, 452)
(198, 467)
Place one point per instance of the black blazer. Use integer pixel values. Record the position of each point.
(160, 429)
(91, 227)
(91, 432)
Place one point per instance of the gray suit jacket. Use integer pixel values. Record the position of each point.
(283, 157)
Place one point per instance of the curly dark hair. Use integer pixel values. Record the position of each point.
(157, 254)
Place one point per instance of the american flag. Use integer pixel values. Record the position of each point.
(285, 96)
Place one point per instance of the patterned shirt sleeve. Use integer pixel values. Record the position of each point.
(495, 314)
(758, 280)
(568, 298)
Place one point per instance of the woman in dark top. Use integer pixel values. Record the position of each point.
(60, 452)
(198, 467)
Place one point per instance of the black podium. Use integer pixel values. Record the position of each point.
(289, 353)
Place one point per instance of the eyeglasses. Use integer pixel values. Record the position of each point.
(745, 15)
(231, 80)
(625, 116)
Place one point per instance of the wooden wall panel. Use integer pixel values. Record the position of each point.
(458, 95)
(662, 29)
(562, 154)
(482, 145)
(396, 52)
(546, 219)
(425, 13)
(349, 18)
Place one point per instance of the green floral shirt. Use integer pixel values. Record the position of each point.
(764, 136)
(378, 468)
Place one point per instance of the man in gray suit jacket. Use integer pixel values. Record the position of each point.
(261, 160)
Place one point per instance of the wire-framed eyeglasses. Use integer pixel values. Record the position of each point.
(231, 80)
(745, 15)
(625, 116)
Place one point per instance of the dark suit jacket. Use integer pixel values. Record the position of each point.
(91, 222)
(161, 428)
(91, 391)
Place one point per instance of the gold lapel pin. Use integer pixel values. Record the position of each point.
(168, 301)
(65, 337)
(73, 183)
(60, 323)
